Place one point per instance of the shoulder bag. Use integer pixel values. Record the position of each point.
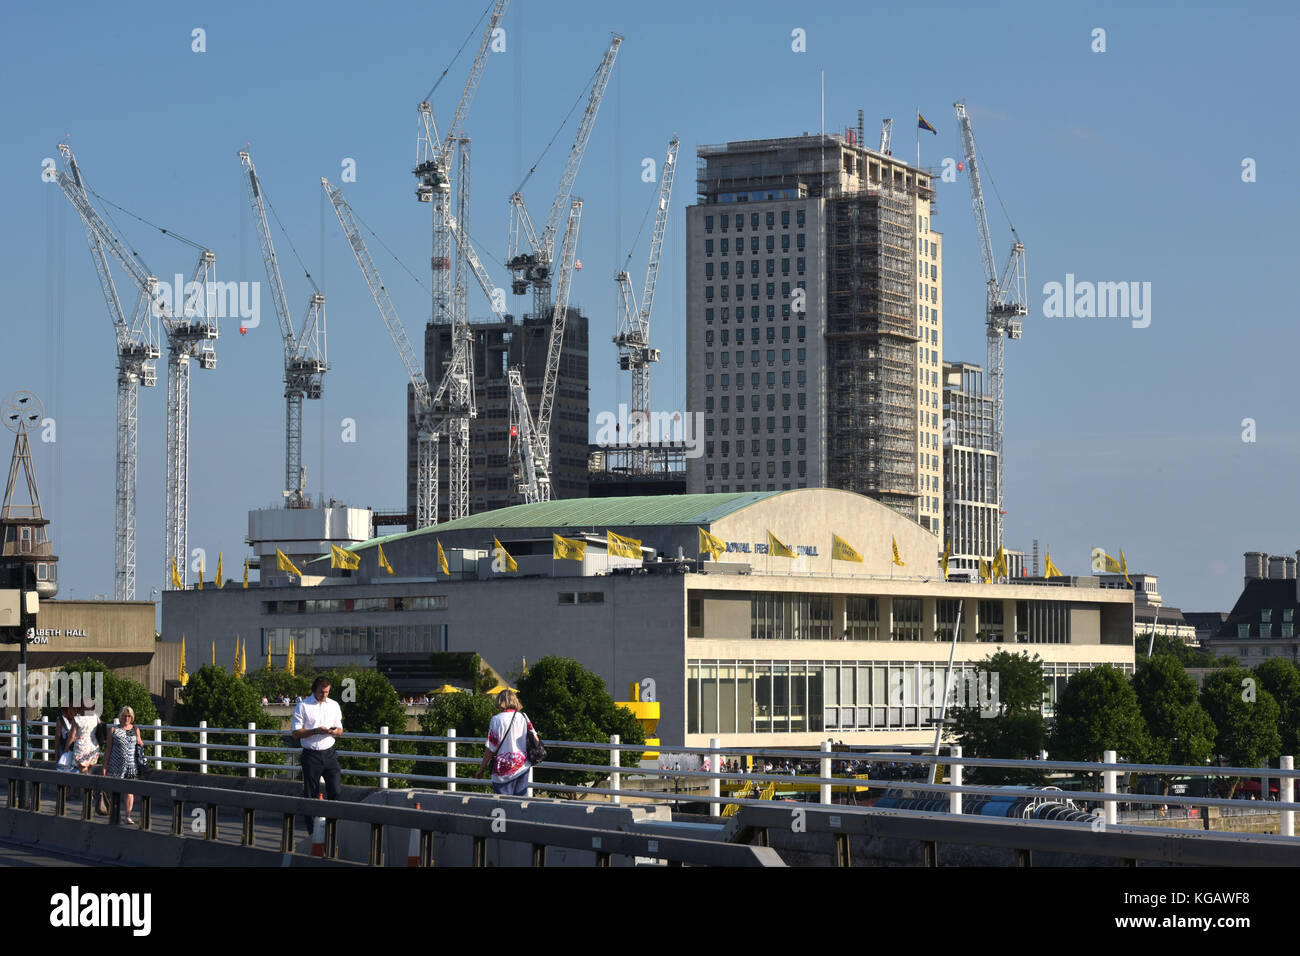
(536, 751)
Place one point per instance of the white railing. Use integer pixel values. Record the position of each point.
(891, 774)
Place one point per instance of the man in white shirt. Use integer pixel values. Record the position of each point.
(317, 723)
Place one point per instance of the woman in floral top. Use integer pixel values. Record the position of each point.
(507, 747)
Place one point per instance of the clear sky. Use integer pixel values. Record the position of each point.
(1122, 165)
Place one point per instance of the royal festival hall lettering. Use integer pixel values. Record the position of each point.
(760, 547)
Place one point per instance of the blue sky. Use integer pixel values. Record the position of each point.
(1123, 165)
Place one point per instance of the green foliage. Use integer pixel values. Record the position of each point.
(1246, 717)
(369, 701)
(1098, 711)
(1179, 730)
(1172, 647)
(119, 692)
(1281, 678)
(567, 702)
(271, 682)
(468, 715)
(223, 700)
(1016, 731)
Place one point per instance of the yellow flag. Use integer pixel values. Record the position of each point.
(268, 655)
(383, 561)
(568, 549)
(201, 570)
(999, 568)
(1051, 570)
(943, 562)
(897, 560)
(221, 581)
(442, 560)
(711, 545)
(243, 659)
(292, 660)
(176, 578)
(622, 547)
(234, 668)
(499, 549)
(1123, 566)
(985, 574)
(776, 548)
(214, 653)
(346, 560)
(181, 676)
(245, 572)
(284, 564)
(840, 550)
(1101, 561)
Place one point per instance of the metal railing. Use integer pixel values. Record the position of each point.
(687, 783)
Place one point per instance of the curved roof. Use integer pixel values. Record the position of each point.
(597, 513)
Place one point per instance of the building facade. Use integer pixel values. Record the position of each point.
(814, 331)
(752, 648)
(970, 467)
(1262, 624)
(498, 347)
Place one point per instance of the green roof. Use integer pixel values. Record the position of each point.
(596, 513)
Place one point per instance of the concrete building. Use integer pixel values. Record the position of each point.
(1150, 613)
(813, 317)
(752, 648)
(499, 346)
(1262, 624)
(970, 468)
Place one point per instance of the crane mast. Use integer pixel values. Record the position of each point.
(304, 350)
(633, 338)
(531, 253)
(1006, 302)
(137, 355)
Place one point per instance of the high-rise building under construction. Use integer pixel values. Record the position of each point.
(814, 326)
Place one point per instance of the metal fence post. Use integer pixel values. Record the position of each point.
(252, 751)
(451, 762)
(825, 771)
(1109, 778)
(203, 746)
(1286, 793)
(954, 771)
(615, 778)
(715, 788)
(383, 757)
(157, 742)
(46, 726)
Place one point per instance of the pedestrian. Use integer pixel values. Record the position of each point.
(63, 731)
(507, 747)
(122, 753)
(85, 749)
(317, 724)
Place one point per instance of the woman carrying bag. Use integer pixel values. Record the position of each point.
(510, 735)
(125, 748)
(85, 749)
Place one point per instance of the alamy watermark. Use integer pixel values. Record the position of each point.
(624, 429)
(1102, 300)
(58, 689)
(977, 689)
(218, 300)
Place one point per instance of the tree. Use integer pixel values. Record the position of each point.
(1281, 678)
(1012, 727)
(1179, 731)
(1246, 717)
(369, 702)
(1098, 711)
(119, 692)
(1172, 647)
(224, 700)
(468, 715)
(271, 682)
(567, 702)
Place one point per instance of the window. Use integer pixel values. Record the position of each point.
(801, 355)
(771, 312)
(799, 242)
(708, 293)
(708, 223)
(753, 244)
(708, 360)
(708, 383)
(771, 334)
(753, 266)
(771, 446)
(771, 243)
(582, 597)
(754, 359)
(785, 288)
(724, 222)
(785, 218)
(907, 619)
(708, 247)
(799, 218)
(753, 220)
(708, 316)
(1266, 615)
(771, 220)
(771, 266)
(785, 242)
(708, 337)
(785, 376)
(785, 334)
(1266, 630)
(799, 265)
(785, 401)
(753, 290)
(726, 246)
(726, 380)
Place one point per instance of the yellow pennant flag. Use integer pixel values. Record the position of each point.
(176, 578)
(985, 574)
(841, 551)
(776, 548)
(1051, 570)
(284, 564)
(442, 560)
(201, 570)
(268, 656)
(292, 661)
(1101, 561)
(383, 561)
(346, 560)
(234, 668)
(499, 551)
(181, 676)
(943, 561)
(897, 560)
(568, 549)
(221, 581)
(1000, 564)
(622, 547)
(245, 572)
(711, 545)
(214, 653)
(243, 659)
(1123, 566)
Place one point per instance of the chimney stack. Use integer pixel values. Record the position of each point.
(1255, 566)
(1276, 567)
(1290, 569)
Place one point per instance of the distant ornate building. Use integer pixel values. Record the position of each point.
(26, 555)
(1262, 624)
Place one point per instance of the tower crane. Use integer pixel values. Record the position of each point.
(530, 253)
(304, 349)
(137, 355)
(436, 156)
(1006, 302)
(633, 338)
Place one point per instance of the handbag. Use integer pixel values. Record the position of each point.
(535, 749)
(66, 762)
(142, 762)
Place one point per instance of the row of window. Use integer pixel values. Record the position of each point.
(753, 314)
(361, 641)
(724, 291)
(756, 356)
(420, 602)
(725, 335)
(725, 382)
(754, 470)
(769, 219)
(1285, 629)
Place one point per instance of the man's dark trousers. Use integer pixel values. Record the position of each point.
(317, 764)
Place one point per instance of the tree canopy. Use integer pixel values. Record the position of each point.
(119, 692)
(1281, 678)
(1098, 711)
(1179, 730)
(1246, 717)
(1014, 729)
